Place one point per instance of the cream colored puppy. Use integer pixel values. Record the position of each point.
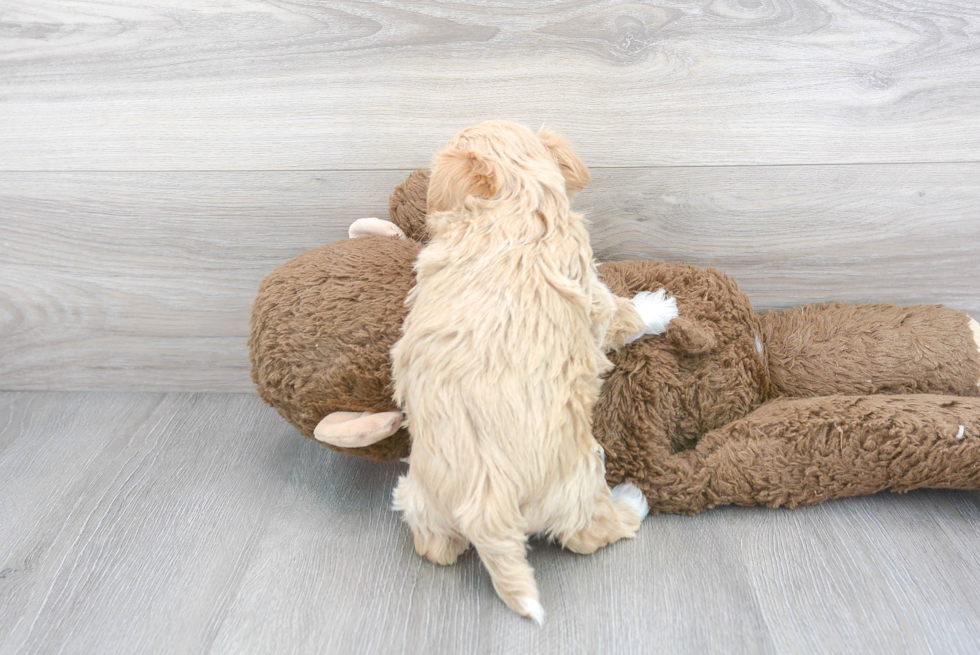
(498, 366)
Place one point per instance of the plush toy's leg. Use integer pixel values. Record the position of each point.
(793, 452)
(870, 349)
(363, 227)
(357, 429)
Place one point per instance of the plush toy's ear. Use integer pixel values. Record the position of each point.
(576, 175)
(357, 429)
(365, 227)
(457, 174)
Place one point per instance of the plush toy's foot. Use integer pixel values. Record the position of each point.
(975, 329)
(363, 227)
(656, 310)
(357, 429)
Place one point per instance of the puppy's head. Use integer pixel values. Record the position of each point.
(500, 157)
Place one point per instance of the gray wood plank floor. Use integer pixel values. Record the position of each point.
(202, 523)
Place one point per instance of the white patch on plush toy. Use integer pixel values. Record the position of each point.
(961, 433)
(364, 227)
(656, 310)
(357, 429)
(533, 610)
(629, 493)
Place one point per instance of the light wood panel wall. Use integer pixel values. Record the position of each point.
(349, 84)
(156, 161)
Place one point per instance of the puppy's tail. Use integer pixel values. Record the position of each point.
(495, 527)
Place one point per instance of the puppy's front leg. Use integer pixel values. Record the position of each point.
(646, 313)
(614, 319)
(656, 310)
(626, 322)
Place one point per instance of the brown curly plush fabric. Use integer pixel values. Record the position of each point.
(322, 326)
(680, 392)
(697, 417)
(874, 349)
(407, 205)
(677, 420)
(794, 452)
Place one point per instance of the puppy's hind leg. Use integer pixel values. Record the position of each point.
(435, 539)
(612, 515)
(613, 519)
(497, 530)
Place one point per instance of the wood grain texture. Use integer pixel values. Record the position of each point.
(158, 159)
(122, 281)
(127, 518)
(906, 234)
(839, 547)
(348, 84)
(109, 281)
(201, 523)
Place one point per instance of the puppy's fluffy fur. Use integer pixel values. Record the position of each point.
(500, 360)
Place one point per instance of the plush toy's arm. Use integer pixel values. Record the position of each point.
(819, 350)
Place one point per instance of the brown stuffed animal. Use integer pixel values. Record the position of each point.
(728, 407)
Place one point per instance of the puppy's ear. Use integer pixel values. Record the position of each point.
(576, 175)
(460, 173)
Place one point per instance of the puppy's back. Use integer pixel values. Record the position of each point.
(497, 356)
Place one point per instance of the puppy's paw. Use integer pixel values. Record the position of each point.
(656, 310)
(363, 227)
(629, 494)
(440, 549)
